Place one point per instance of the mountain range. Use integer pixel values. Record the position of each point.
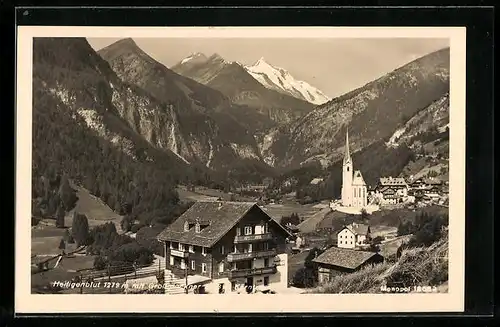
(234, 81)
(208, 120)
(198, 129)
(372, 113)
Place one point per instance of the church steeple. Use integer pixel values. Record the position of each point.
(347, 154)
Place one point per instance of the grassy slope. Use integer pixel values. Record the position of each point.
(45, 239)
(95, 209)
(417, 266)
(311, 224)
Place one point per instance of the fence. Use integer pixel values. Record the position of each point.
(111, 280)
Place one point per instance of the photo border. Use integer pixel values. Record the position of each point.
(371, 295)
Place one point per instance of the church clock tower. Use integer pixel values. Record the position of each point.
(347, 174)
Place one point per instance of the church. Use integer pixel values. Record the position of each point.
(354, 191)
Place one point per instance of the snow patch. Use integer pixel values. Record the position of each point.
(392, 143)
(442, 129)
(92, 119)
(210, 154)
(174, 144)
(278, 78)
(243, 151)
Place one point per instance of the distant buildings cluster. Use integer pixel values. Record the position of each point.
(394, 190)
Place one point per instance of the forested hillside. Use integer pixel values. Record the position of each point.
(79, 133)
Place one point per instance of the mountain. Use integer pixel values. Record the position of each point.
(234, 81)
(81, 130)
(198, 130)
(372, 113)
(280, 80)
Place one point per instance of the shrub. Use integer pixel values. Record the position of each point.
(102, 238)
(378, 239)
(374, 248)
(293, 219)
(132, 252)
(135, 228)
(126, 224)
(146, 237)
(99, 263)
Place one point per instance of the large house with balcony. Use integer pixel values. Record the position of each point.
(391, 190)
(227, 246)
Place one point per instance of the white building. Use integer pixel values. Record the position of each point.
(353, 235)
(354, 192)
(392, 190)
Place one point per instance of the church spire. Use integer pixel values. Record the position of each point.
(347, 154)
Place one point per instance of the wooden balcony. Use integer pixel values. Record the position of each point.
(241, 273)
(253, 238)
(232, 257)
(178, 253)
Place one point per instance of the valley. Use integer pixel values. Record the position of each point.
(123, 145)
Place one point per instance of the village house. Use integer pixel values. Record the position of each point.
(433, 185)
(391, 190)
(417, 184)
(353, 236)
(335, 261)
(227, 245)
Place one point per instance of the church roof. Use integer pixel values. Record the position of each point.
(347, 153)
(358, 179)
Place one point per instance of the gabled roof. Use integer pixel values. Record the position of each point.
(387, 190)
(221, 215)
(358, 178)
(392, 181)
(357, 229)
(345, 258)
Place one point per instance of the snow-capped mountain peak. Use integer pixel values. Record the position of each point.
(194, 57)
(279, 79)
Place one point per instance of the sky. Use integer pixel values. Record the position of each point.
(334, 66)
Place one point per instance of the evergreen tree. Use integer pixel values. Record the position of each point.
(62, 245)
(66, 236)
(53, 204)
(80, 229)
(67, 194)
(60, 217)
